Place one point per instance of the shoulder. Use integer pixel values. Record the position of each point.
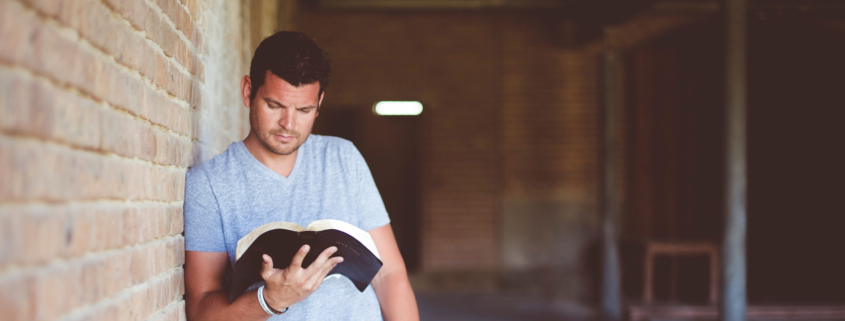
(336, 153)
(330, 146)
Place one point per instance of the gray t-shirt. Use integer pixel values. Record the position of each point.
(233, 193)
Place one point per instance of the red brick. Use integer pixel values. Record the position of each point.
(50, 8)
(103, 313)
(16, 31)
(11, 237)
(176, 220)
(58, 115)
(166, 37)
(141, 265)
(196, 40)
(162, 33)
(88, 281)
(92, 281)
(72, 122)
(161, 70)
(46, 172)
(193, 8)
(173, 311)
(154, 25)
(178, 15)
(200, 69)
(184, 22)
(45, 236)
(95, 23)
(116, 272)
(14, 92)
(183, 54)
(54, 291)
(174, 80)
(133, 11)
(147, 55)
(15, 299)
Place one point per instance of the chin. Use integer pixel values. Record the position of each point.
(286, 150)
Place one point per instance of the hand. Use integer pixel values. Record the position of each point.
(293, 284)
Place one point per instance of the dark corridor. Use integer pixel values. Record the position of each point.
(796, 145)
(796, 148)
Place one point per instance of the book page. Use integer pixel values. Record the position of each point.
(247, 240)
(362, 236)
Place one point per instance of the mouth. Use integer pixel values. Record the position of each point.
(284, 138)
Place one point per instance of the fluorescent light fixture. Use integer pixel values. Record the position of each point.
(398, 108)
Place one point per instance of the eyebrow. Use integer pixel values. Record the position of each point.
(272, 101)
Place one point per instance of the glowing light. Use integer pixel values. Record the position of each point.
(398, 108)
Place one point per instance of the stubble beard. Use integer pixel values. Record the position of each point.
(266, 138)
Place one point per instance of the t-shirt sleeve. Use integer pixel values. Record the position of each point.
(371, 210)
(203, 223)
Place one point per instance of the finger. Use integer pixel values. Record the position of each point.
(321, 260)
(330, 264)
(299, 257)
(267, 269)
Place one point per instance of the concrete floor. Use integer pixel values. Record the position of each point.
(495, 307)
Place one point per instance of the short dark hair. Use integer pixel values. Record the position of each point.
(292, 56)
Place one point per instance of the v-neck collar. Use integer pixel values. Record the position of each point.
(266, 171)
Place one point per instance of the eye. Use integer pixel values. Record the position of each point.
(305, 111)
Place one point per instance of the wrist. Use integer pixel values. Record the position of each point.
(267, 305)
(273, 302)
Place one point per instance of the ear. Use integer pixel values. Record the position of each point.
(246, 90)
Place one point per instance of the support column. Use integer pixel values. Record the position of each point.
(733, 252)
(611, 293)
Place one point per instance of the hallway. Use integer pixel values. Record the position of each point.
(495, 307)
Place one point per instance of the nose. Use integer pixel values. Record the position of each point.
(288, 118)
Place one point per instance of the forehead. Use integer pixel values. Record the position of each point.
(278, 89)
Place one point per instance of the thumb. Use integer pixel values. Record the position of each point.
(266, 267)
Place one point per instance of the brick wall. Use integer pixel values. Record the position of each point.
(103, 106)
(551, 159)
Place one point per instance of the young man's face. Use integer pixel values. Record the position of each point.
(281, 115)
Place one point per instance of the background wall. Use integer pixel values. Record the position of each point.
(508, 149)
(103, 106)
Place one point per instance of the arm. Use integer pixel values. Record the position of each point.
(205, 298)
(391, 283)
(204, 295)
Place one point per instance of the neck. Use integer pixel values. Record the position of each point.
(282, 164)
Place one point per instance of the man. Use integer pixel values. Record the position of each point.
(282, 173)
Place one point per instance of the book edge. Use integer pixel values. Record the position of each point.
(362, 236)
(247, 240)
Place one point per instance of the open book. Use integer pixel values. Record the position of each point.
(281, 240)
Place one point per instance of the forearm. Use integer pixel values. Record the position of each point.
(215, 306)
(396, 296)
